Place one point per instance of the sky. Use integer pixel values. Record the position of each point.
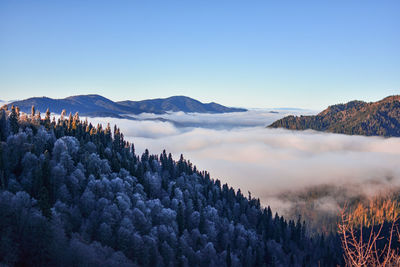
(265, 54)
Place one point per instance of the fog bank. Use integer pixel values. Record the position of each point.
(271, 163)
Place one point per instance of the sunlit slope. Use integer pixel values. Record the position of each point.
(381, 118)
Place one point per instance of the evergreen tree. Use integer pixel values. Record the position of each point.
(63, 113)
(14, 120)
(180, 218)
(47, 120)
(3, 125)
(228, 256)
(33, 112)
(44, 202)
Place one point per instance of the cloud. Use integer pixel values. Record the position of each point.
(136, 128)
(252, 118)
(276, 165)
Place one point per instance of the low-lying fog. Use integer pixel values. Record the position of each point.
(276, 165)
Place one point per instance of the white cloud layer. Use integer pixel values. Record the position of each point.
(268, 162)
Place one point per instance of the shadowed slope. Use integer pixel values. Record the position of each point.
(96, 105)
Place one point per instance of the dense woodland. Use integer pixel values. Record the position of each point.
(75, 194)
(380, 118)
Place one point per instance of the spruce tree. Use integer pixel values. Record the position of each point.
(47, 120)
(33, 112)
(180, 218)
(14, 120)
(228, 256)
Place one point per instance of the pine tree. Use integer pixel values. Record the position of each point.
(3, 125)
(33, 112)
(14, 120)
(63, 113)
(47, 120)
(228, 256)
(44, 202)
(180, 218)
(70, 122)
(75, 121)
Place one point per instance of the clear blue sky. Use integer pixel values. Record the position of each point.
(242, 53)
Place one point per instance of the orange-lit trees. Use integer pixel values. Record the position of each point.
(368, 234)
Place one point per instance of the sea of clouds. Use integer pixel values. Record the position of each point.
(276, 165)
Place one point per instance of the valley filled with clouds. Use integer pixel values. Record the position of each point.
(280, 167)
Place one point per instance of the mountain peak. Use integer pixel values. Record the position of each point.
(88, 95)
(391, 98)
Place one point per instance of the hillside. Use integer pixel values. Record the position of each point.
(99, 106)
(178, 103)
(381, 118)
(72, 194)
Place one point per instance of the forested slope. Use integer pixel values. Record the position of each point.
(381, 118)
(74, 194)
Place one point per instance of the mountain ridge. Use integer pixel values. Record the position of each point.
(95, 105)
(380, 118)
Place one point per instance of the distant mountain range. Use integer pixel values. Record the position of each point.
(381, 118)
(99, 106)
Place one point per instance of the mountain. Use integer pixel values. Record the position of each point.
(381, 118)
(84, 104)
(99, 106)
(72, 194)
(178, 103)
